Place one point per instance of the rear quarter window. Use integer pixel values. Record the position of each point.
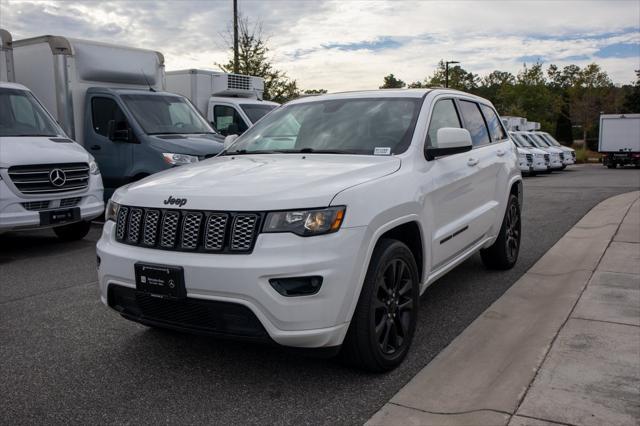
(493, 123)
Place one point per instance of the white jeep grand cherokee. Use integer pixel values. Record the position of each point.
(321, 225)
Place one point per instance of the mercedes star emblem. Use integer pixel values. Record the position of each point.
(57, 177)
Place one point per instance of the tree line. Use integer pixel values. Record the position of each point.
(566, 101)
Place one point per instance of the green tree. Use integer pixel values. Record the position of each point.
(391, 82)
(459, 78)
(253, 58)
(631, 103)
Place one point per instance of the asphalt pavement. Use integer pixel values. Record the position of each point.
(68, 359)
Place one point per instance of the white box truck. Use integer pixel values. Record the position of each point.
(619, 139)
(6, 56)
(230, 102)
(514, 124)
(110, 99)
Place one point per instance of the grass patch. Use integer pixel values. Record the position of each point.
(585, 155)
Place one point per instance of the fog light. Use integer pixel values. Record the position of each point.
(296, 286)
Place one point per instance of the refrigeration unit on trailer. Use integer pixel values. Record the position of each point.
(619, 139)
(231, 102)
(110, 99)
(6, 56)
(514, 123)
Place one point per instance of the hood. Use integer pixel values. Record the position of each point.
(523, 151)
(258, 182)
(535, 150)
(200, 145)
(27, 150)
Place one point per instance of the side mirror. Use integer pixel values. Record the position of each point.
(229, 140)
(451, 140)
(123, 135)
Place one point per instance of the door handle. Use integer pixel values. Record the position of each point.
(500, 152)
(96, 147)
(472, 162)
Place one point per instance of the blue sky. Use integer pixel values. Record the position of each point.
(345, 45)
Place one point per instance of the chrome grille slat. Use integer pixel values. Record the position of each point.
(151, 219)
(135, 220)
(121, 223)
(186, 230)
(243, 231)
(34, 179)
(215, 230)
(170, 221)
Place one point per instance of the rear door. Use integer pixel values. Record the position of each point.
(482, 160)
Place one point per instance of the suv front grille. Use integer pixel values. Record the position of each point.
(187, 230)
(50, 178)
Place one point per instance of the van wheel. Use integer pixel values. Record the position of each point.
(73, 232)
(384, 321)
(503, 254)
(612, 165)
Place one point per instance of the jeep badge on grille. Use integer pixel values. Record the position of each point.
(175, 201)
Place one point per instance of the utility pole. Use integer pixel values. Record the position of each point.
(235, 37)
(446, 71)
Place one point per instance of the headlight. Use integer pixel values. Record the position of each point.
(305, 222)
(111, 213)
(93, 167)
(178, 159)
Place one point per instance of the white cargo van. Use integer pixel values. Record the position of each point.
(619, 139)
(110, 99)
(230, 102)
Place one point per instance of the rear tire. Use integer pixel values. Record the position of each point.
(503, 254)
(73, 232)
(612, 166)
(384, 321)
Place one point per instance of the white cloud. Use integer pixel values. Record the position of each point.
(483, 35)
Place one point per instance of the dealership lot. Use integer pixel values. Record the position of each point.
(67, 358)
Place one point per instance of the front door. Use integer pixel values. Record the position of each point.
(114, 157)
(227, 120)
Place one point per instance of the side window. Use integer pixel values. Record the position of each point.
(104, 110)
(474, 123)
(444, 115)
(493, 122)
(225, 117)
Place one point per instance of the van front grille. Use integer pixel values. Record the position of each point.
(50, 178)
(187, 230)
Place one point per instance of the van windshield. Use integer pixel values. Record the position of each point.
(256, 112)
(549, 139)
(22, 115)
(520, 141)
(165, 114)
(338, 126)
(538, 140)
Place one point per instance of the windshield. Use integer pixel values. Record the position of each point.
(520, 141)
(540, 141)
(549, 139)
(343, 126)
(165, 114)
(256, 112)
(22, 115)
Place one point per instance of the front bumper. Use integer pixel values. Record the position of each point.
(319, 320)
(14, 216)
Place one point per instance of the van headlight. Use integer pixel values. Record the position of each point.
(178, 159)
(111, 212)
(305, 223)
(93, 167)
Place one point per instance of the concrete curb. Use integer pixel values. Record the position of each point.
(483, 375)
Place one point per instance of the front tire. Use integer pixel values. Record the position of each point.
(384, 321)
(503, 254)
(73, 232)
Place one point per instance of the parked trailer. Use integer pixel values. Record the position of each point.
(110, 99)
(619, 139)
(6, 56)
(230, 102)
